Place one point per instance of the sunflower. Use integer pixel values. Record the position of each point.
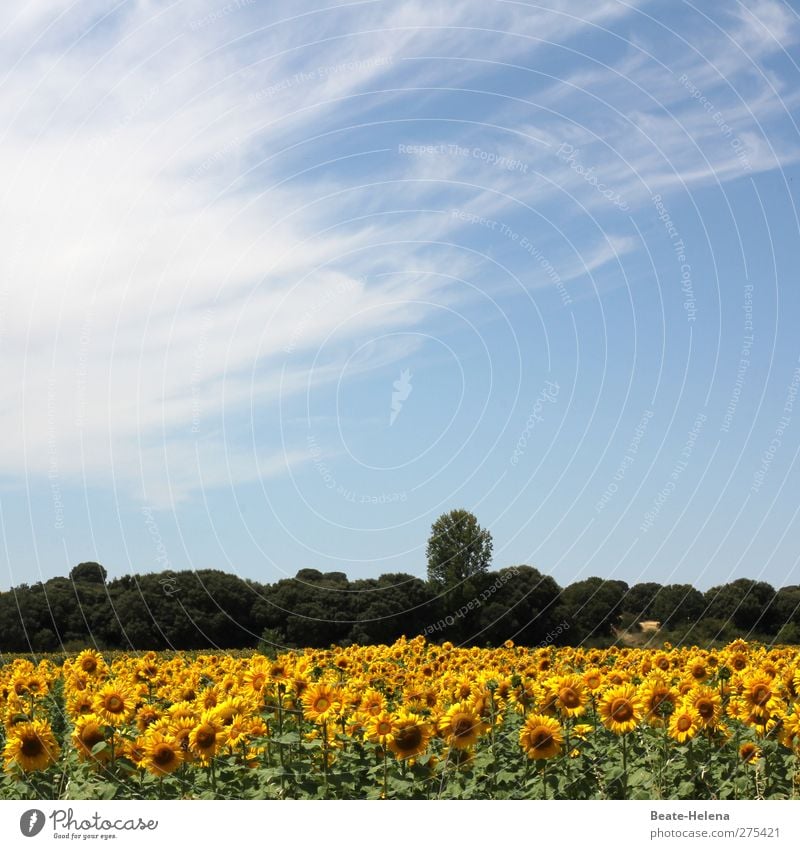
(114, 703)
(582, 730)
(461, 726)
(541, 737)
(321, 702)
(182, 710)
(147, 670)
(662, 662)
(133, 751)
(180, 730)
(758, 694)
(749, 752)
(620, 708)
(658, 699)
(708, 704)
(593, 679)
(379, 728)
(462, 689)
(19, 684)
(278, 672)
(569, 692)
(237, 731)
(410, 736)
(206, 737)
(738, 661)
(162, 753)
(209, 698)
(146, 716)
(790, 734)
(698, 669)
(256, 679)
(31, 746)
(373, 703)
(226, 710)
(90, 663)
(684, 722)
(37, 685)
(87, 734)
(79, 703)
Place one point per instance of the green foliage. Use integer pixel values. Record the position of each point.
(458, 548)
(88, 573)
(462, 603)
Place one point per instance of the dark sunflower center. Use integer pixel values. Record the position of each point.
(541, 738)
(684, 723)
(621, 710)
(570, 698)
(463, 726)
(92, 738)
(114, 704)
(408, 738)
(761, 695)
(89, 664)
(164, 756)
(705, 709)
(32, 747)
(699, 671)
(321, 704)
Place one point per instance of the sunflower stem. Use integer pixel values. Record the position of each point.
(493, 746)
(325, 754)
(280, 733)
(624, 766)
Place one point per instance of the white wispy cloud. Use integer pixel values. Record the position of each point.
(195, 201)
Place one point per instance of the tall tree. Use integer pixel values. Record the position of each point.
(458, 548)
(88, 573)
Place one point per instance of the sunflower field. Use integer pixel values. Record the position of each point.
(408, 721)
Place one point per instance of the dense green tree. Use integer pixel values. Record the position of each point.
(593, 607)
(88, 573)
(519, 604)
(458, 548)
(744, 602)
(678, 605)
(640, 599)
(784, 613)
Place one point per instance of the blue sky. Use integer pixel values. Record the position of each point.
(283, 282)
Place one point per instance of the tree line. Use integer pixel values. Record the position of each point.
(211, 609)
(461, 601)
